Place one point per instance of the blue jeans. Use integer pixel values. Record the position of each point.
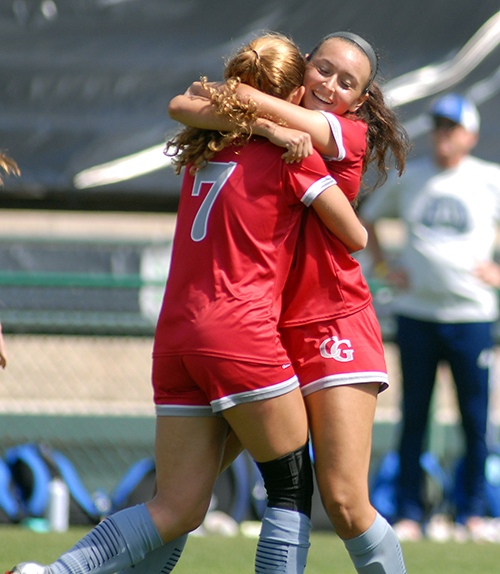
(467, 348)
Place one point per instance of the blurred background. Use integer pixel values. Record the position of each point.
(85, 231)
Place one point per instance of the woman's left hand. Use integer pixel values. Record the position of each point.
(298, 144)
(197, 89)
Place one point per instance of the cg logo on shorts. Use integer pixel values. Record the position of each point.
(334, 350)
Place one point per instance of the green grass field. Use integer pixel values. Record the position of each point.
(219, 555)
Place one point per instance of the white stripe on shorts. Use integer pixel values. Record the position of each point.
(184, 411)
(255, 395)
(347, 379)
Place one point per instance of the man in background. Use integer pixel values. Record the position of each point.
(447, 302)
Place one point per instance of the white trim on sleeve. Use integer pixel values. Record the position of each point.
(317, 188)
(337, 136)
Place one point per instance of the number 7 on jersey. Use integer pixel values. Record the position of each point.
(216, 174)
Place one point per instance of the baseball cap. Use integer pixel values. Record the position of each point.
(458, 109)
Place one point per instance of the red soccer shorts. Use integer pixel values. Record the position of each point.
(336, 352)
(203, 385)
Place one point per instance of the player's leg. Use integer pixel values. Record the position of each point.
(341, 420)
(163, 559)
(223, 375)
(232, 449)
(189, 445)
(188, 455)
(341, 366)
(159, 561)
(276, 434)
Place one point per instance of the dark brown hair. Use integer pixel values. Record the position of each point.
(387, 140)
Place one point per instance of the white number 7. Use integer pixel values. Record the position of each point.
(216, 173)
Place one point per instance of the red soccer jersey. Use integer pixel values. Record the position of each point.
(325, 281)
(237, 227)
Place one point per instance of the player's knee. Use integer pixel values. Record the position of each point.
(192, 520)
(346, 508)
(289, 481)
(341, 515)
(180, 516)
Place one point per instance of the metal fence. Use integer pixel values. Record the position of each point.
(78, 306)
(78, 313)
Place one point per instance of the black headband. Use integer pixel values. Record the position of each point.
(365, 47)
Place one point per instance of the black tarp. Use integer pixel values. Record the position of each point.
(84, 82)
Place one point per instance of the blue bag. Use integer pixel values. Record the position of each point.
(136, 486)
(10, 503)
(492, 471)
(33, 466)
(383, 485)
(492, 486)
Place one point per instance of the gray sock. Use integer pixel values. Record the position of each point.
(377, 551)
(121, 540)
(283, 542)
(159, 561)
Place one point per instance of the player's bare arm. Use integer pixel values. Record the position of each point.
(281, 111)
(337, 214)
(197, 112)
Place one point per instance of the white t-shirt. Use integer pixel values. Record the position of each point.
(452, 217)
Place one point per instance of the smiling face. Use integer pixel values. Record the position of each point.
(336, 77)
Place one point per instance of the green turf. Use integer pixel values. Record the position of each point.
(218, 555)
